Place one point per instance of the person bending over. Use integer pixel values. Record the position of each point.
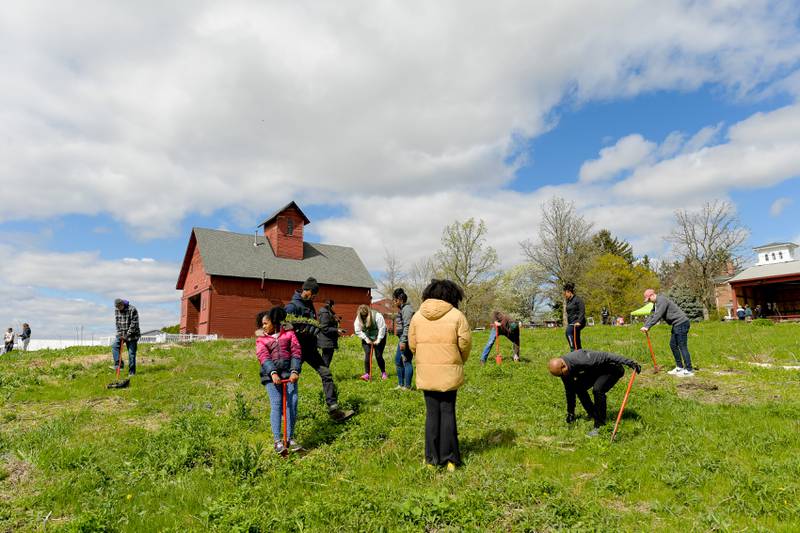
(582, 370)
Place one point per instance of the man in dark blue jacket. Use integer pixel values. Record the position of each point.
(302, 305)
(582, 370)
(576, 316)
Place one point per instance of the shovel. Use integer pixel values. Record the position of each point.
(652, 355)
(117, 384)
(622, 407)
(498, 358)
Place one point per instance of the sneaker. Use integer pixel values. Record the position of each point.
(593, 433)
(675, 371)
(451, 467)
(516, 359)
(365, 377)
(686, 373)
(279, 447)
(384, 376)
(399, 387)
(295, 446)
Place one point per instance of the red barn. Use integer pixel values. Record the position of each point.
(227, 278)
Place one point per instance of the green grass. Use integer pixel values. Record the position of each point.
(187, 447)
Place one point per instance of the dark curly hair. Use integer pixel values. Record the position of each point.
(400, 294)
(443, 289)
(276, 315)
(569, 286)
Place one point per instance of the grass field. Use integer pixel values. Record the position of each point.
(187, 447)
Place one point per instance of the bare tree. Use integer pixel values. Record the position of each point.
(393, 274)
(466, 259)
(519, 291)
(565, 245)
(419, 275)
(708, 241)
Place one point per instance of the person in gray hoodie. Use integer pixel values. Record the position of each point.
(667, 310)
(403, 356)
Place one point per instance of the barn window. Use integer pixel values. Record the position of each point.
(780, 255)
(773, 256)
(766, 257)
(290, 226)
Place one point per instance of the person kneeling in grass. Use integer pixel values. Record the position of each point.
(502, 325)
(439, 336)
(370, 327)
(584, 369)
(279, 354)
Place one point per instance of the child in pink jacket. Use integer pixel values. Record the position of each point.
(278, 352)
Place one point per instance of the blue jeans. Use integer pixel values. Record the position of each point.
(275, 393)
(404, 368)
(489, 344)
(679, 344)
(131, 354)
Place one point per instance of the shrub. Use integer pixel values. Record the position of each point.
(763, 322)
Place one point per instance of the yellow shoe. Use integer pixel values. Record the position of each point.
(451, 467)
(429, 466)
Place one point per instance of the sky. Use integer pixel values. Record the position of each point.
(125, 124)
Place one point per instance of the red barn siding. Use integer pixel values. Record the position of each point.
(283, 244)
(234, 302)
(195, 319)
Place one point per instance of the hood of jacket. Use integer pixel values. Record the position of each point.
(433, 309)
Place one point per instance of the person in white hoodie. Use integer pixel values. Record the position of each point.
(371, 329)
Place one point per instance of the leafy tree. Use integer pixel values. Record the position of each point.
(687, 301)
(519, 291)
(614, 283)
(468, 260)
(605, 243)
(564, 248)
(172, 329)
(393, 274)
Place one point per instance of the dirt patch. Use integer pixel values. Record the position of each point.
(150, 423)
(698, 385)
(14, 471)
(729, 372)
(109, 404)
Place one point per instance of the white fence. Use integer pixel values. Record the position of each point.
(59, 344)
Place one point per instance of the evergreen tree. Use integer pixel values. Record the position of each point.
(688, 302)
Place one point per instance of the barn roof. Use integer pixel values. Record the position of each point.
(281, 210)
(225, 253)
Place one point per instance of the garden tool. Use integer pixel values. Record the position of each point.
(652, 355)
(622, 407)
(117, 383)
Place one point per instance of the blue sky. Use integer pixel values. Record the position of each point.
(122, 137)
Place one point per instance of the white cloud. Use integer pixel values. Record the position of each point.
(55, 292)
(779, 205)
(200, 106)
(627, 153)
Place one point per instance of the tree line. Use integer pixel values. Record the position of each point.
(705, 244)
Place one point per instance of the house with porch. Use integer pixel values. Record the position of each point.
(773, 283)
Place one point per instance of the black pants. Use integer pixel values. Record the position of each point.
(601, 386)
(327, 356)
(315, 361)
(378, 355)
(441, 435)
(574, 337)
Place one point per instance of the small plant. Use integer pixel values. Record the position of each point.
(245, 461)
(241, 410)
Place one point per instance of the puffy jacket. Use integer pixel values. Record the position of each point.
(281, 355)
(440, 338)
(403, 321)
(304, 308)
(328, 336)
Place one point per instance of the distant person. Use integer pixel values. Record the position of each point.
(25, 337)
(328, 336)
(748, 313)
(604, 314)
(666, 309)
(582, 370)
(505, 326)
(740, 313)
(758, 312)
(403, 355)
(302, 306)
(280, 357)
(440, 338)
(576, 316)
(370, 327)
(8, 340)
(126, 318)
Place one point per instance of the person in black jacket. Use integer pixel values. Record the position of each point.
(576, 316)
(302, 305)
(582, 370)
(328, 336)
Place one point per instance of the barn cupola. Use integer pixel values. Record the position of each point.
(284, 231)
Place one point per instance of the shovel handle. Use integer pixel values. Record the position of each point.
(652, 355)
(622, 407)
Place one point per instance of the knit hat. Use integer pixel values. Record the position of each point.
(118, 302)
(311, 285)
